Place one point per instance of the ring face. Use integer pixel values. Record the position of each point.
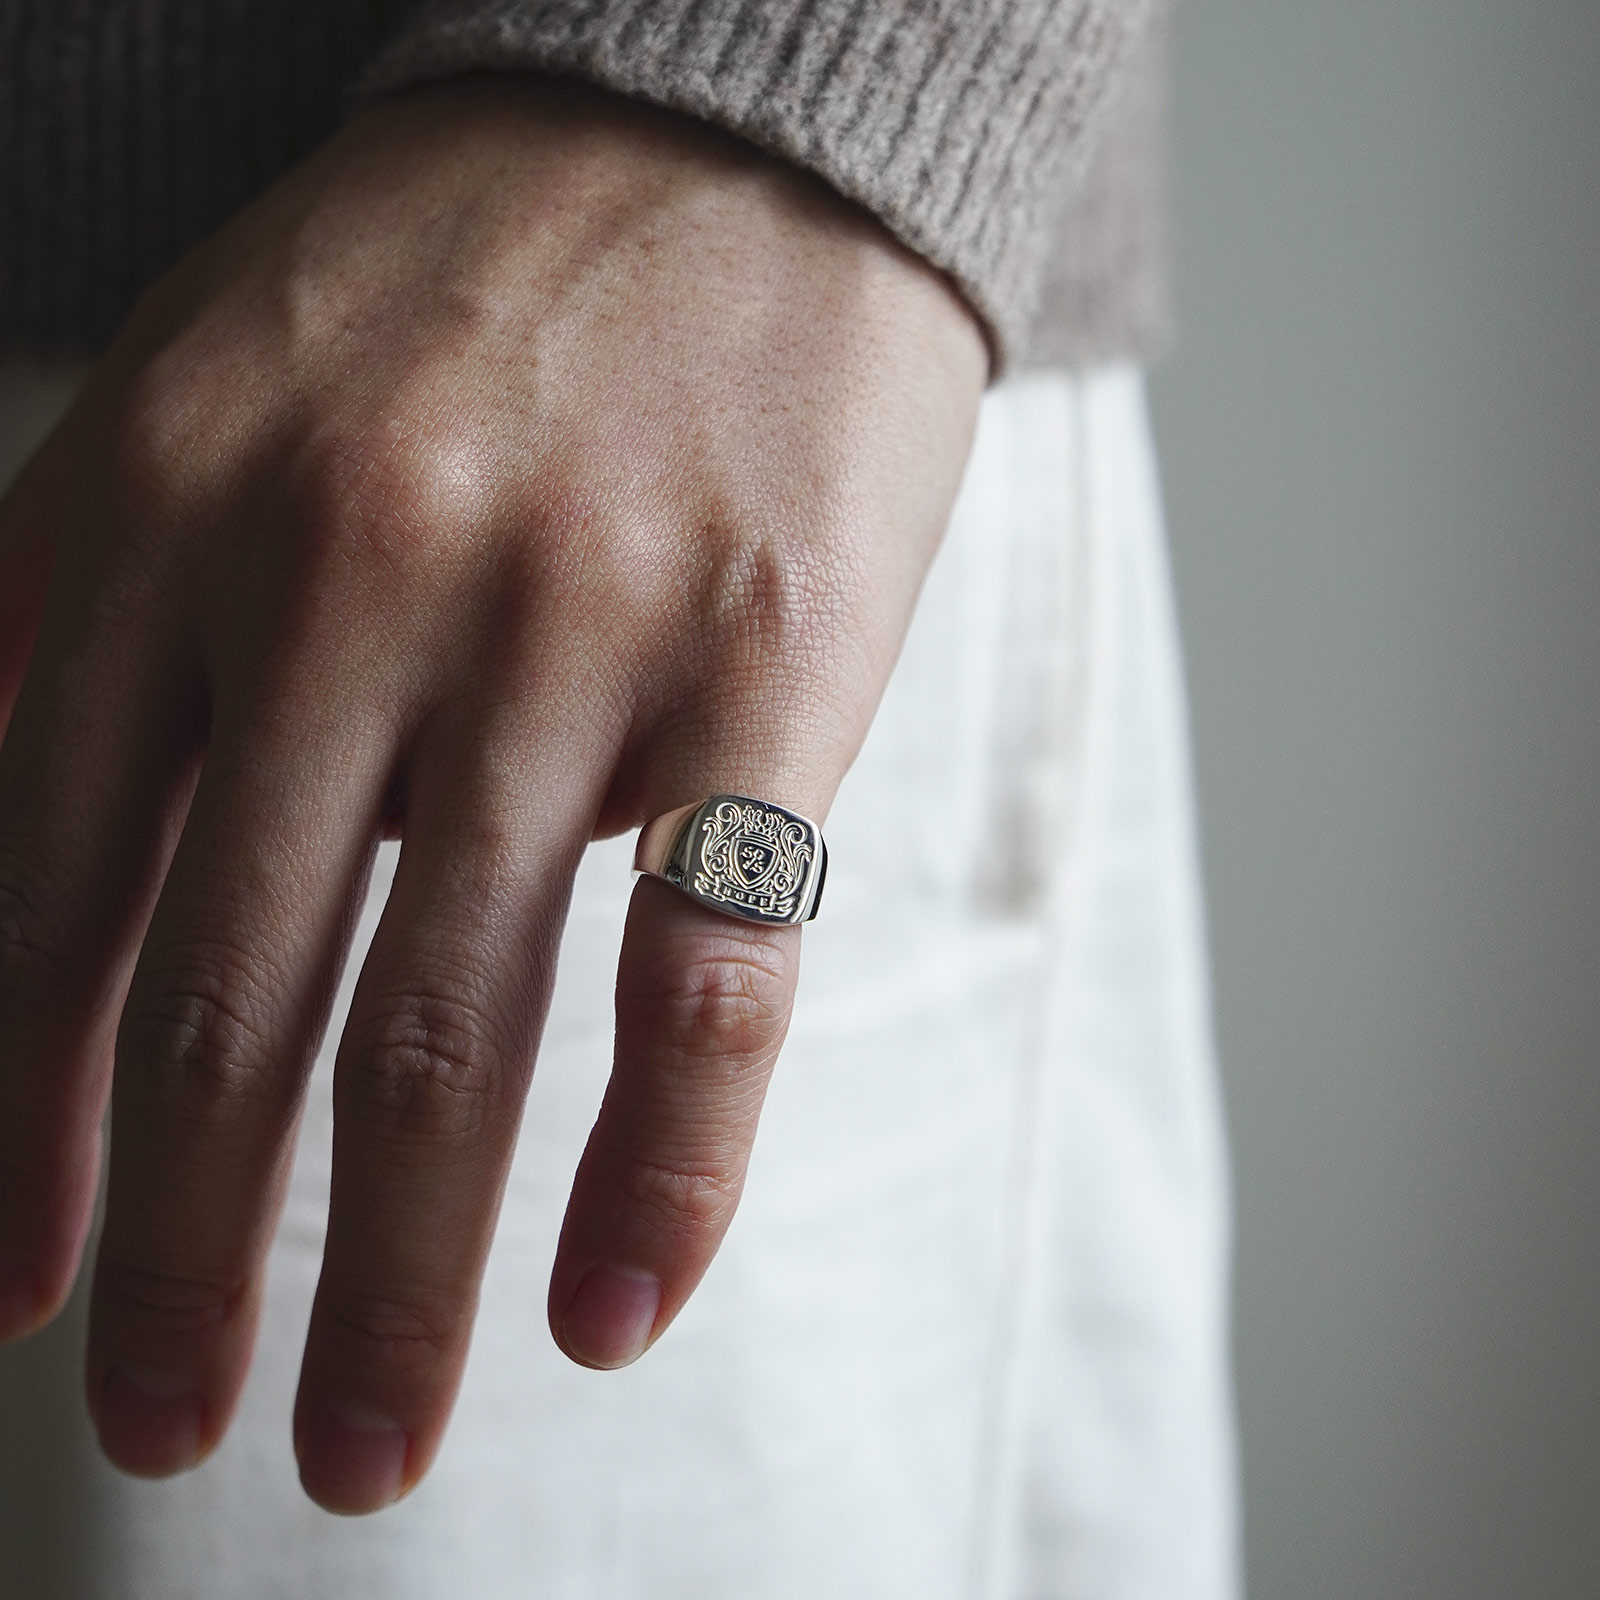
(749, 858)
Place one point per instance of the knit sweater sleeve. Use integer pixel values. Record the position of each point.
(962, 124)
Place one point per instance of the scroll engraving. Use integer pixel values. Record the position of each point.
(754, 857)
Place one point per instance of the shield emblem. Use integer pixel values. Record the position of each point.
(753, 860)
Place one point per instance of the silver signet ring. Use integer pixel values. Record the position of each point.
(745, 858)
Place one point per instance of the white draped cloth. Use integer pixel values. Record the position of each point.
(967, 1338)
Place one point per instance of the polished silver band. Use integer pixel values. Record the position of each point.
(746, 858)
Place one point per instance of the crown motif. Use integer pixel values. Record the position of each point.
(756, 821)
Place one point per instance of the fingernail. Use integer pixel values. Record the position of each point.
(609, 1318)
(352, 1460)
(150, 1422)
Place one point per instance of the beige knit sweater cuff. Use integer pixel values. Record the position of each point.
(960, 123)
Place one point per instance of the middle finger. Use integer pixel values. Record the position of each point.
(429, 1086)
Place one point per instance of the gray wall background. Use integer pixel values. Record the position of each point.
(1381, 438)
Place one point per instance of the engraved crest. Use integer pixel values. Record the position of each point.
(754, 857)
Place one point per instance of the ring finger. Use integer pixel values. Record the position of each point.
(228, 1002)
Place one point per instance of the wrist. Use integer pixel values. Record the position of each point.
(585, 164)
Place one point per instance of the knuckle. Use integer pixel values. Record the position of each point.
(723, 1003)
(147, 453)
(200, 1040)
(171, 432)
(38, 962)
(380, 1329)
(682, 1199)
(430, 1067)
(170, 1303)
(390, 491)
(765, 593)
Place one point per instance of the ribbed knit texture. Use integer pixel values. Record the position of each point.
(962, 123)
(130, 129)
(1009, 142)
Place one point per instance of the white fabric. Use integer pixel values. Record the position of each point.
(967, 1337)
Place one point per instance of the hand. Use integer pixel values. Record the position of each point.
(524, 465)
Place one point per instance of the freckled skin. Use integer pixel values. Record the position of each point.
(523, 466)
